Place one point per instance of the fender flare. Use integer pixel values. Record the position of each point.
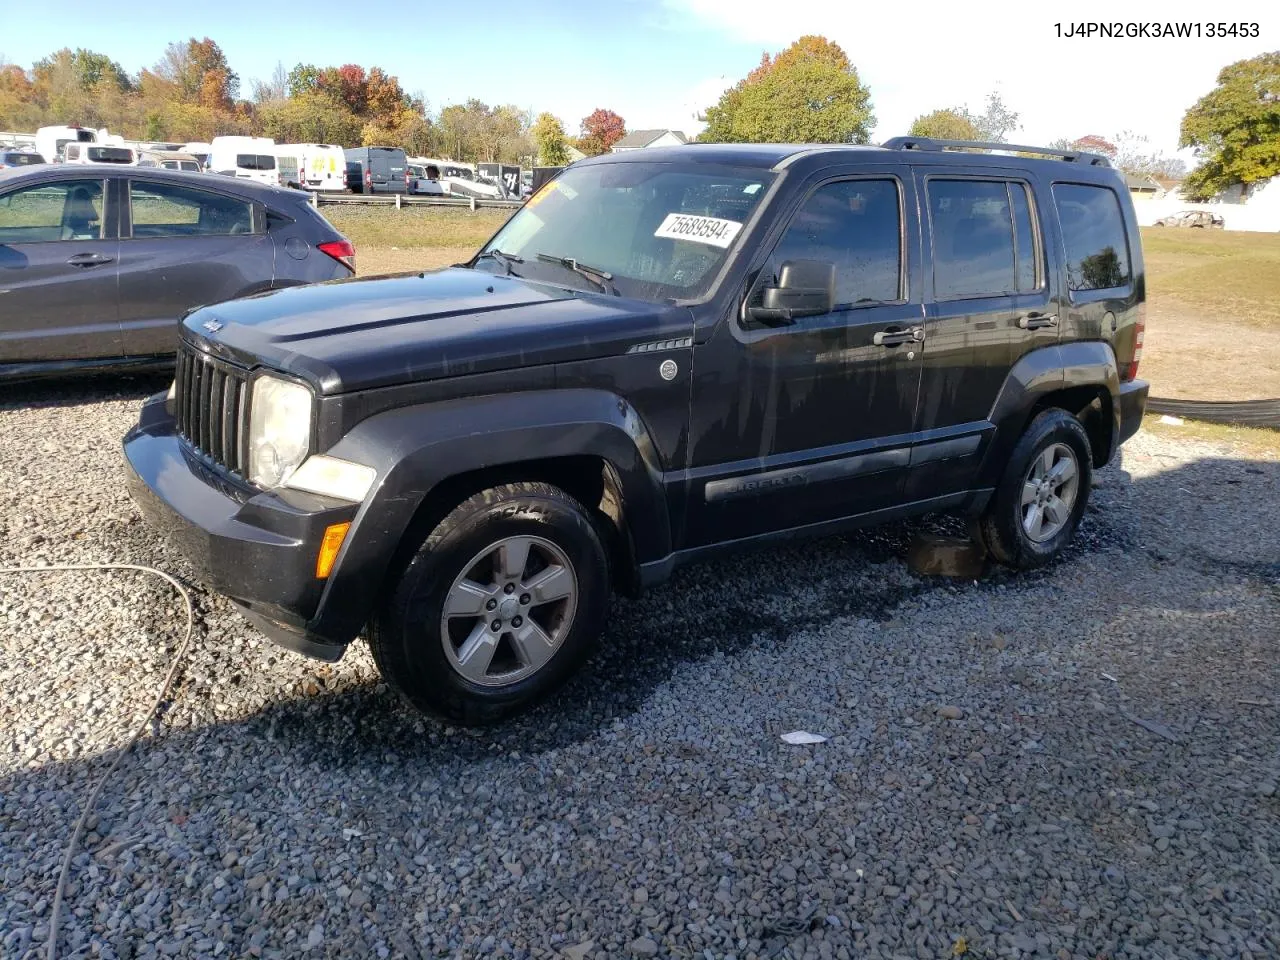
(417, 448)
(1036, 375)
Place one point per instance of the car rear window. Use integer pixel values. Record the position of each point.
(20, 159)
(255, 161)
(110, 154)
(1094, 235)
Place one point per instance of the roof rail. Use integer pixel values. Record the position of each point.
(929, 143)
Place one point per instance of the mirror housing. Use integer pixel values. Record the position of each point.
(806, 288)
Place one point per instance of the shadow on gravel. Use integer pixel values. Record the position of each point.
(82, 389)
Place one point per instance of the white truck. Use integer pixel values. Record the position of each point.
(52, 141)
(245, 158)
(321, 166)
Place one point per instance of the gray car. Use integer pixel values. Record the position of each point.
(97, 265)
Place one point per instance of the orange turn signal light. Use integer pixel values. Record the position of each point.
(329, 547)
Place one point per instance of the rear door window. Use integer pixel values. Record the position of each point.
(973, 239)
(255, 161)
(66, 210)
(173, 210)
(1094, 236)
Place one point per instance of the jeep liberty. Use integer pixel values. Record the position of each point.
(663, 355)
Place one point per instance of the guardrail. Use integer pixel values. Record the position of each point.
(398, 200)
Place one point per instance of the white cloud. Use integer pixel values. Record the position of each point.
(917, 58)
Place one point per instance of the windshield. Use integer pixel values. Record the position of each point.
(255, 161)
(662, 230)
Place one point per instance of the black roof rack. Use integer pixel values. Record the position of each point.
(928, 143)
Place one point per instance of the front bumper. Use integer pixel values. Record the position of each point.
(257, 548)
(1133, 406)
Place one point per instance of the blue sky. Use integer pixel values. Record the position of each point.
(657, 62)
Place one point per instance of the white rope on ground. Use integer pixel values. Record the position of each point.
(92, 802)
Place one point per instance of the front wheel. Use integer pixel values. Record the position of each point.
(1037, 506)
(502, 603)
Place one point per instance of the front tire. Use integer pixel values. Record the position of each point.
(498, 608)
(1036, 508)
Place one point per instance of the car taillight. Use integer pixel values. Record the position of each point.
(344, 178)
(341, 250)
(406, 178)
(1130, 371)
(368, 178)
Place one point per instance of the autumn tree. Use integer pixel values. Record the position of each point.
(601, 129)
(199, 70)
(549, 136)
(950, 124)
(808, 93)
(1235, 128)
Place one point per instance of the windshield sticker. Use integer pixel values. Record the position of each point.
(709, 230)
(751, 188)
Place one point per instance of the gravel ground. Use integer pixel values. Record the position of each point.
(1077, 763)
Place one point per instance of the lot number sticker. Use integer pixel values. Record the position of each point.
(709, 230)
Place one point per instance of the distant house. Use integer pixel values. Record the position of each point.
(640, 139)
(1169, 186)
(1143, 188)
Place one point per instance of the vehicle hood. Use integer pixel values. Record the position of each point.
(362, 333)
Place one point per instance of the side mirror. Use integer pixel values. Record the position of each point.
(806, 288)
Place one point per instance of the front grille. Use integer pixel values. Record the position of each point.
(211, 398)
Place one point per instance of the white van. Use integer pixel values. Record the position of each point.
(99, 153)
(321, 166)
(51, 141)
(200, 151)
(245, 158)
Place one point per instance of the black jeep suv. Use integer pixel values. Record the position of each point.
(663, 355)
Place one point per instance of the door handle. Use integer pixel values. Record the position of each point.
(893, 338)
(1035, 321)
(88, 260)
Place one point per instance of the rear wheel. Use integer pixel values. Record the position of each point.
(1037, 506)
(502, 603)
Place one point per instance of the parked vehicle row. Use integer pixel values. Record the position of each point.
(97, 264)
(465, 463)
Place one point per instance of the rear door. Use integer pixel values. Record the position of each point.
(185, 247)
(989, 303)
(59, 256)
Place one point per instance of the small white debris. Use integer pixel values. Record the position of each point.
(350, 833)
(1172, 421)
(1107, 676)
(802, 737)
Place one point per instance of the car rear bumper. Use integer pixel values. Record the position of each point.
(1133, 406)
(257, 548)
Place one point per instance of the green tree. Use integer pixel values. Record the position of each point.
(808, 93)
(1235, 128)
(951, 124)
(549, 137)
(996, 122)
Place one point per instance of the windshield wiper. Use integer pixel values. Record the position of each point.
(506, 259)
(601, 278)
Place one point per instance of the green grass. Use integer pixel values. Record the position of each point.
(414, 228)
(1215, 274)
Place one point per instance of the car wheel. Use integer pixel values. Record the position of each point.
(499, 606)
(1037, 506)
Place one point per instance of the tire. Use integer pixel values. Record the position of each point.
(1057, 436)
(453, 666)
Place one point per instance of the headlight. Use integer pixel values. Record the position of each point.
(279, 430)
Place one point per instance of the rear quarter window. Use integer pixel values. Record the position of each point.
(1094, 236)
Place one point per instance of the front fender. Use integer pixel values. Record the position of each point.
(415, 449)
(1039, 373)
